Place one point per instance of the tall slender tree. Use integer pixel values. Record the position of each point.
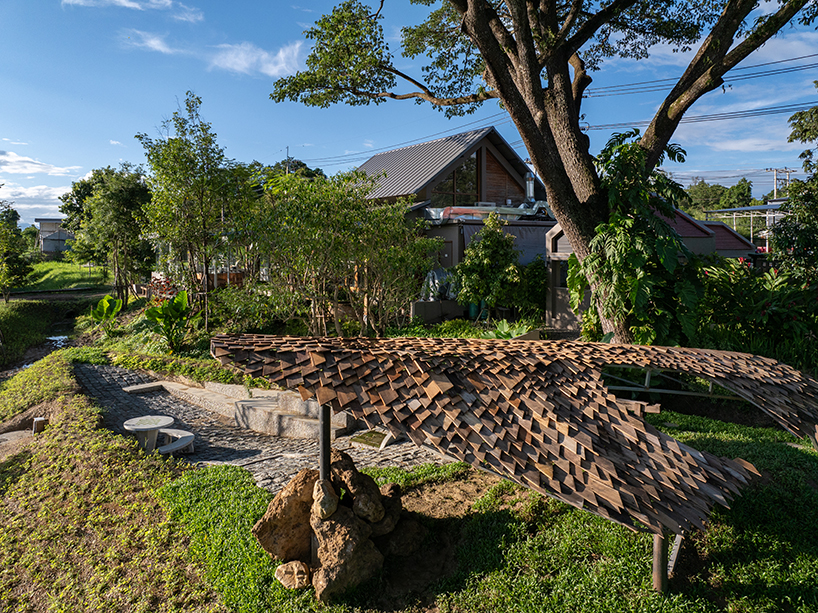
(14, 267)
(191, 187)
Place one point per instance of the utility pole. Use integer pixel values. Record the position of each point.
(288, 160)
(786, 181)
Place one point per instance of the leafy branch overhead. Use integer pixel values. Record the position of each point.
(534, 57)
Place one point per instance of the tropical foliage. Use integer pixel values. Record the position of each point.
(170, 319)
(638, 268)
(105, 312)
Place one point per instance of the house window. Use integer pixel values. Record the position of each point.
(461, 187)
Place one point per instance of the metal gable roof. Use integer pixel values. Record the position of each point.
(410, 169)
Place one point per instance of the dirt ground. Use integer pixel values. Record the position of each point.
(437, 508)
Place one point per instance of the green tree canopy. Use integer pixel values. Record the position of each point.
(701, 197)
(111, 221)
(323, 239)
(14, 267)
(795, 237)
(534, 56)
(738, 195)
(804, 126)
(291, 165)
(196, 191)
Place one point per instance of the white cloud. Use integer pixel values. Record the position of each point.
(189, 14)
(369, 144)
(17, 164)
(248, 59)
(244, 57)
(149, 41)
(116, 142)
(33, 202)
(755, 144)
(13, 142)
(38, 192)
(140, 5)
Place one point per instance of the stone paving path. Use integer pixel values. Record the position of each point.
(273, 461)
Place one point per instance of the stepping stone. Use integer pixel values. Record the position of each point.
(144, 388)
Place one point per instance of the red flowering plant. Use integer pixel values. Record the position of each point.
(161, 290)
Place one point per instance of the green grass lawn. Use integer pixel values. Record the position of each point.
(64, 275)
(92, 523)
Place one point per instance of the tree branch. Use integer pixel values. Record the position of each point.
(590, 27)
(581, 80)
(713, 60)
(428, 97)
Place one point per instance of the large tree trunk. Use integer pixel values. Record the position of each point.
(548, 121)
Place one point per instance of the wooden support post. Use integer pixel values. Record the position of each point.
(324, 442)
(660, 563)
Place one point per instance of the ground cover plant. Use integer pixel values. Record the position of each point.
(48, 378)
(83, 529)
(64, 275)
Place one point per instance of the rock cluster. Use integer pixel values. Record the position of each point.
(337, 531)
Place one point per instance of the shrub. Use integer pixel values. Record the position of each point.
(489, 270)
(531, 297)
(772, 313)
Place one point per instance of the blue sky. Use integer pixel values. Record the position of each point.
(79, 78)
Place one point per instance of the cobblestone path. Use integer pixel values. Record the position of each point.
(272, 460)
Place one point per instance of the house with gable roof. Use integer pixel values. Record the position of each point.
(457, 181)
(52, 236)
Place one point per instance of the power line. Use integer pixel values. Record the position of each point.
(648, 86)
(749, 113)
(659, 84)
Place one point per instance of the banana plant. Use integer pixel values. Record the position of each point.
(104, 314)
(170, 320)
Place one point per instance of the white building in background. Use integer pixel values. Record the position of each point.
(52, 237)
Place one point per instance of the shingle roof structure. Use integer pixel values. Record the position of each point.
(538, 412)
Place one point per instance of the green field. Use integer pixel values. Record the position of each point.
(64, 275)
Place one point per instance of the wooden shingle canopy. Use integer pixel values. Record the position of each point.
(537, 412)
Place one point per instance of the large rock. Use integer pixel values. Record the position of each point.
(390, 497)
(366, 496)
(293, 575)
(348, 557)
(284, 531)
(324, 498)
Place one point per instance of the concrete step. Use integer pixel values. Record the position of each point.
(280, 413)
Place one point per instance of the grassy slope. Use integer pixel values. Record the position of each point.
(25, 323)
(83, 529)
(62, 275)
